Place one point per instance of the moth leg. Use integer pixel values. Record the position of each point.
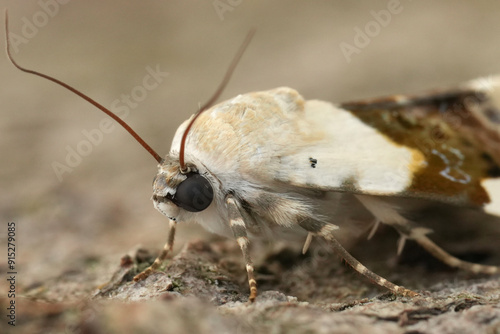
(167, 248)
(307, 243)
(401, 244)
(452, 261)
(326, 231)
(240, 233)
(374, 229)
(408, 230)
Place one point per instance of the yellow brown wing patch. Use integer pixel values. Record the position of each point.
(448, 129)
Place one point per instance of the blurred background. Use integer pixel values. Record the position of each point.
(329, 50)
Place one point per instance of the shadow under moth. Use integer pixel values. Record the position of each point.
(264, 162)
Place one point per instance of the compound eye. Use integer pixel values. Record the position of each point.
(194, 194)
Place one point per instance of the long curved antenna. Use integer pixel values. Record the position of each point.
(214, 97)
(75, 91)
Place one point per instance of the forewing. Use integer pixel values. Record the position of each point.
(458, 132)
(443, 145)
(440, 146)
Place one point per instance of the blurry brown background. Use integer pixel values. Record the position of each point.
(103, 49)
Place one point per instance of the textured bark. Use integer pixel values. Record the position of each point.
(200, 291)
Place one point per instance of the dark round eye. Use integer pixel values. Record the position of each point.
(194, 194)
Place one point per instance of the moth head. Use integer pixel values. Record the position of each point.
(178, 185)
(174, 190)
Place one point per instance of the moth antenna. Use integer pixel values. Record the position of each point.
(215, 96)
(77, 92)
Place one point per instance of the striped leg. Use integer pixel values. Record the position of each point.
(240, 233)
(411, 232)
(163, 255)
(452, 261)
(389, 214)
(326, 231)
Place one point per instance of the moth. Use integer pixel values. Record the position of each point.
(266, 162)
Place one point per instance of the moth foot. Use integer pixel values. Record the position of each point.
(408, 293)
(251, 299)
(143, 275)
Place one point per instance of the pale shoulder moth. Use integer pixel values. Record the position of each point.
(271, 160)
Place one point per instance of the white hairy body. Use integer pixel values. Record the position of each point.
(258, 146)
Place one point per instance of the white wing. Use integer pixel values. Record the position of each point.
(276, 136)
(398, 146)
